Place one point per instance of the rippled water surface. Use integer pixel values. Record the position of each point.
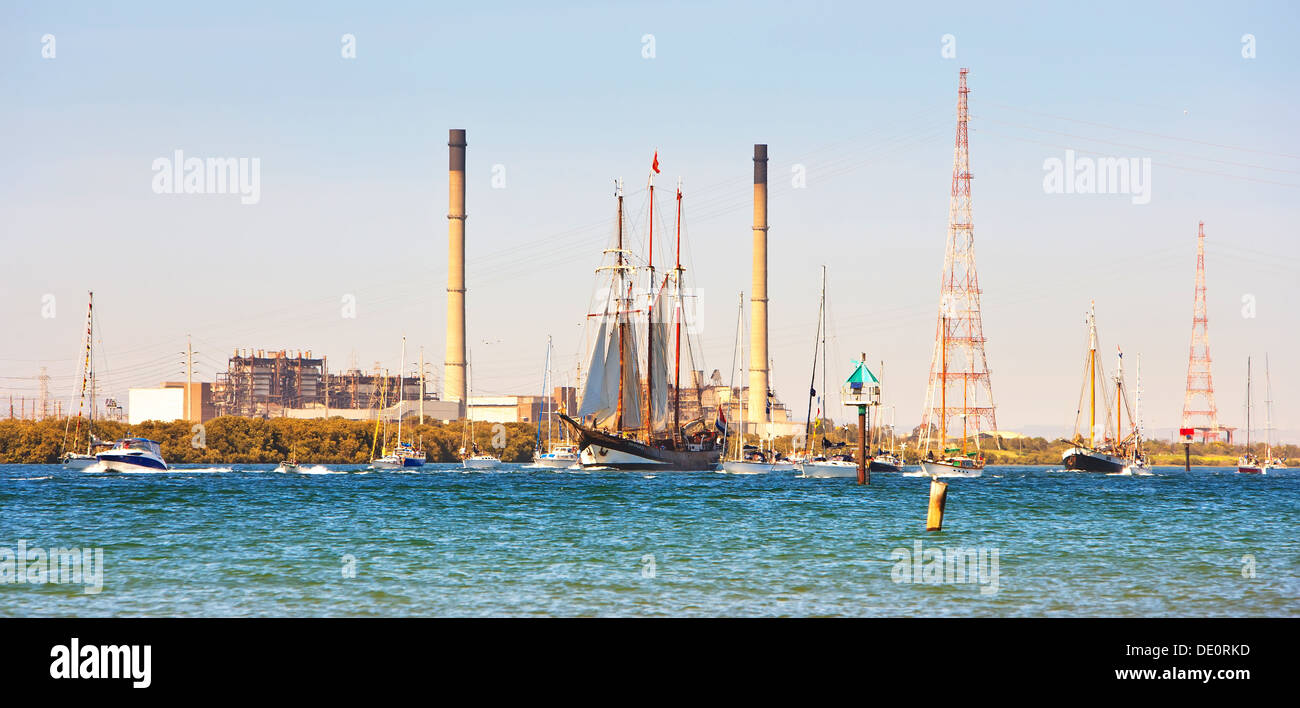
(247, 540)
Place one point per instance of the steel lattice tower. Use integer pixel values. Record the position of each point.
(1199, 410)
(967, 382)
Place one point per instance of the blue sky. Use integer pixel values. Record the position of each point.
(353, 187)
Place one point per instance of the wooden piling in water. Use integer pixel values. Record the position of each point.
(938, 497)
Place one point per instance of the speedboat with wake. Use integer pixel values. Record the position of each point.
(132, 455)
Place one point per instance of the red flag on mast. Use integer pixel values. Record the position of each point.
(655, 165)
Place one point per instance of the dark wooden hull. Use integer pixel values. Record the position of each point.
(1089, 461)
(600, 449)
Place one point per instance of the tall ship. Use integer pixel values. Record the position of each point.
(628, 420)
(1100, 451)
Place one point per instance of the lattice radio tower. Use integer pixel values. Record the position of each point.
(1199, 411)
(966, 385)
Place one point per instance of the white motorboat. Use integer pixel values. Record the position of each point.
(132, 455)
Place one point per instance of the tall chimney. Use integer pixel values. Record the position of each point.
(454, 363)
(758, 383)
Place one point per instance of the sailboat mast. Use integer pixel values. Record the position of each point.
(545, 396)
(1119, 398)
(943, 384)
(650, 324)
(1092, 375)
(826, 401)
(677, 317)
(618, 312)
(812, 383)
(1247, 405)
(1268, 413)
(401, 390)
(965, 380)
(740, 446)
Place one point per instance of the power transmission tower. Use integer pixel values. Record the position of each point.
(960, 328)
(1199, 411)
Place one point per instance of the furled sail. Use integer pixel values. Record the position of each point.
(658, 360)
(594, 401)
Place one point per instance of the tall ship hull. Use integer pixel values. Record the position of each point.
(599, 449)
(1081, 459)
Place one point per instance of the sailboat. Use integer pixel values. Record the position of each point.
(1270, 462)
(954, 462)
(1110, 455)
(883, 460)
(78, 460)
(405, 455)
(741, 458)
(1249, 463)
(615, 428)
(471, 458)
(557, 455)
(834, 460)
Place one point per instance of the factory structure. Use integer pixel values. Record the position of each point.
(298, 384)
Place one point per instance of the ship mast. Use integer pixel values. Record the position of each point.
(943, 387)
(1247, 405)
(401, 392)
(677, 317)
(618, 314)
(1092, 374)
(1119, 399)
(650, 316)
(812, 383)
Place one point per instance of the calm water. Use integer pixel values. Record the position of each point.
(252, 541)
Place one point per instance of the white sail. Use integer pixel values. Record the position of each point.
(593, 401)
(631, 381)
(658, 362)
(608, 418)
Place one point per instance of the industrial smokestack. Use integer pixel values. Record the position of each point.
(454, 363)
(758, 381)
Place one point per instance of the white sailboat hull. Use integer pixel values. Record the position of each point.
(744, 467)
(76, 461)
(482, 462)
(939, 468)
(830, 469)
